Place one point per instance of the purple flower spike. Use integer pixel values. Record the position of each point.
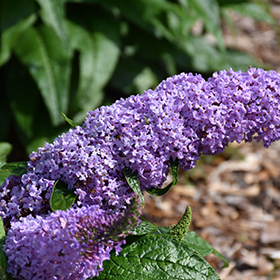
(184, 117)
(68, 244)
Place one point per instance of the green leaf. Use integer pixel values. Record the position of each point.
(202, 247)
(71, 122)
(162, 230)
(208, 10)
(157, 257)
(48, 61)
(52, 13)
(15, 168)
(2, 242)
(15, 17)
(174, 166)
(239, 61)
(133, 181)
(23, 106)
(62, 198)
(5, 149)
(99, 50)
(3, 275)
(3, 176)
(144, 228)
(9, 38)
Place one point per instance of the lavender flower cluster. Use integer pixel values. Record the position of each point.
(182, 118)
(68, 244)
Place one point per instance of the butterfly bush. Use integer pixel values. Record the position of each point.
(68, 244)
(184, 117)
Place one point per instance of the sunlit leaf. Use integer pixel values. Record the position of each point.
(99, 53)
(62, 198)
(53, 13)
(5, 149)
(48, 61)
(157, 257)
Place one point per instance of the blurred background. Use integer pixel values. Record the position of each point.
(74, 56)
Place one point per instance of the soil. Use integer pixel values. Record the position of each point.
(235, 196)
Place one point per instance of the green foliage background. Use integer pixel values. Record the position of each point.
(73, 56)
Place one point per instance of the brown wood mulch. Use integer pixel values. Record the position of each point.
(235, 196)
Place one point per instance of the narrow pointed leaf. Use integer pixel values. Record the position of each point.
(202, 247)
(71, 122)
(62, 198)
(157, 257)
(133, 181)
(174, 166)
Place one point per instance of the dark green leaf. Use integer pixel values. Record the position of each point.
(157, 257)
(15, 168)
(99, 52)
(72, 123)
(12, 12)
(2, 242)
(2, 274)
(133, 181)
(62, 198)
(202, 247)
(5, 149)
(48, 61)
(23, 106)
(9, 37)
(3, 176)
(174, 166)
(15, 17)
